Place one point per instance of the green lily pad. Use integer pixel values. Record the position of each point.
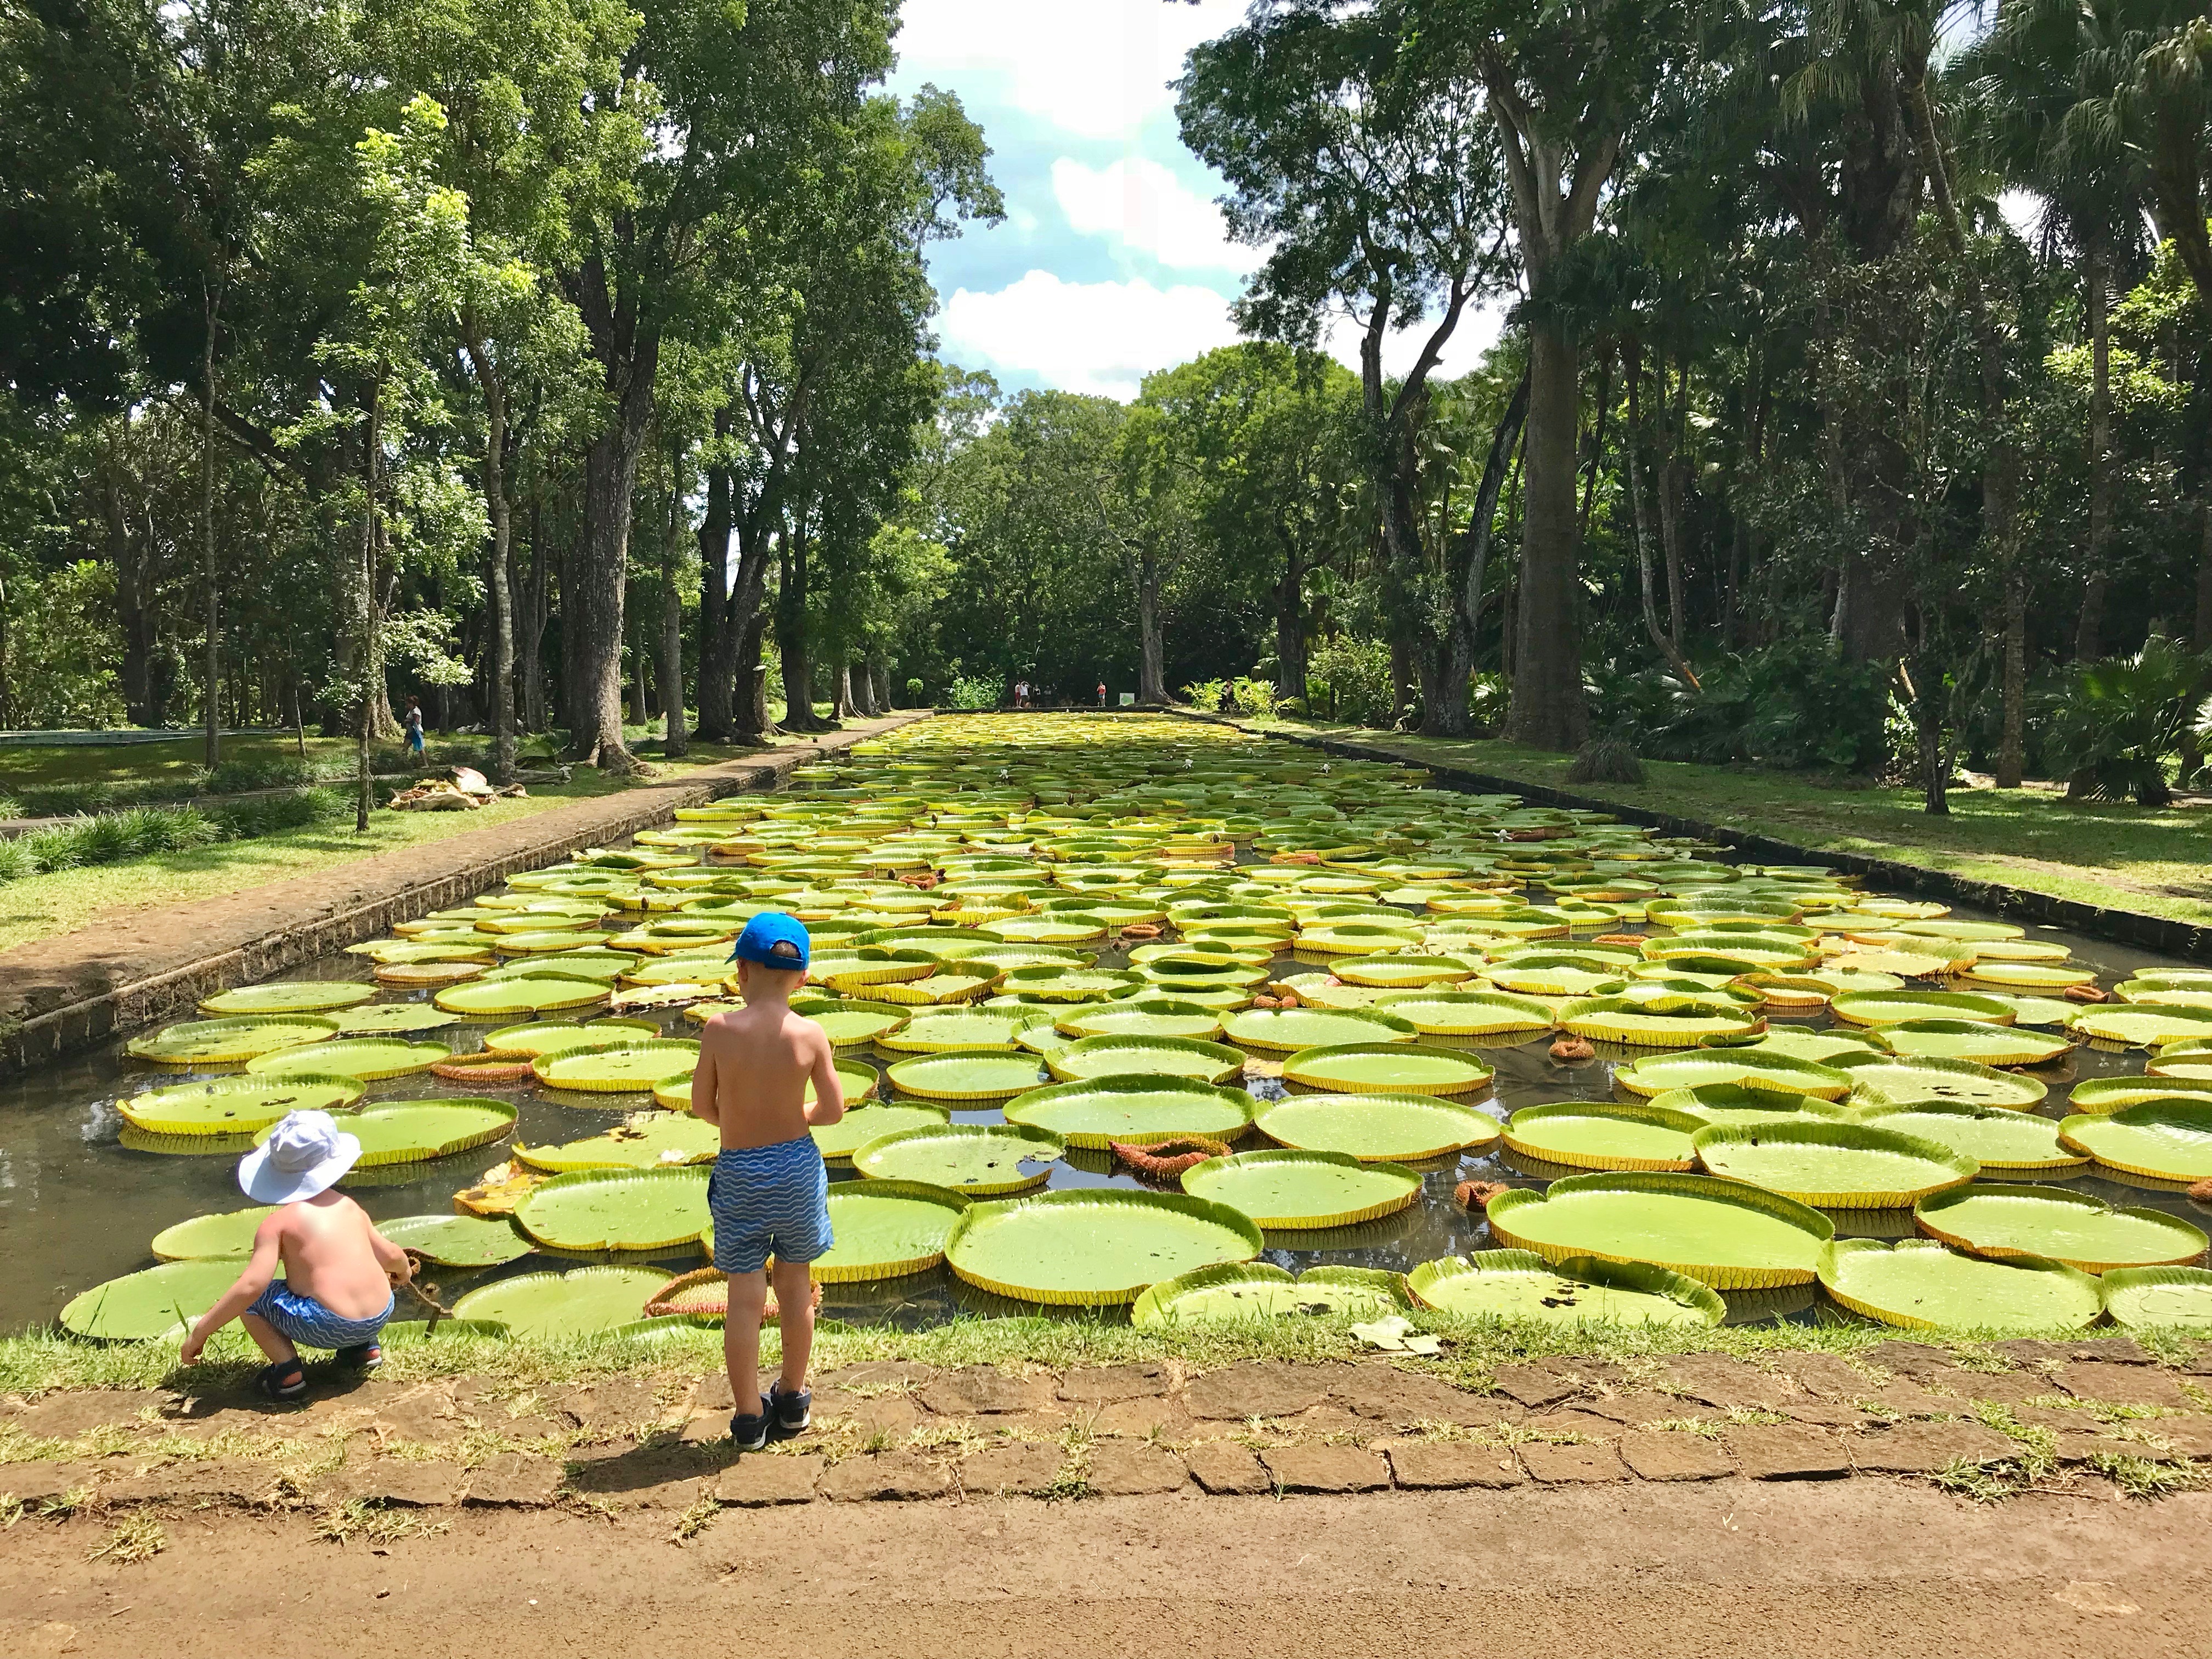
(225, 1237)
(1468, 1013)
(2143, 1025)
(1520, 1286)
(642, 1210)
(2082, 1231)
(1375, 1128)
(1123, 1056)
(1884, 1080)
(625, 1067)
(1893, 1007)
(393, 1020)
(1282, 1031)
(2159, 1299)
(1303, 1190)
(458, 1241)
(981, 1160)
(1748, 1066)
(886, 1230)
(935, 1032)
(1721, 1233)
(234, 1105)
(202, 1042)
(1253, 1291)
(287, 997)
(2111, 1094)
(415, 1131)
(1677, 1021)
(651, 1141)
(525, 993)
(155, 1302)
(1732, 1102)
(2165, 1139)
(965, 1074)
(1834, 1166)
(369, 1059)
(1974, 1040)
(852, 1024)
(585, 1302)
(1584, 1135)
(1822, 1048)
(1996, 1137)
(1919, 1284)
(544, 1037)
(1144, 1017)
(838, 1141)
(1094, 1246)
(1405, 971)
(1391, 1069)
(1093, 1113)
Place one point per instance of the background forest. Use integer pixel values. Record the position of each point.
(569, 367)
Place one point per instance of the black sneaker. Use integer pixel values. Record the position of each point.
(789, 1413)
(749, 1430)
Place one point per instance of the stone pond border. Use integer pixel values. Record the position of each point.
(63, 995)
(2186, 940)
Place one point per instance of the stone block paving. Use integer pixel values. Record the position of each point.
(902, 1432)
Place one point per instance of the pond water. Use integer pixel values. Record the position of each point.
(77, 1207)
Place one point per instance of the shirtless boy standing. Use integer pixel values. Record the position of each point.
(769, 1193)
(339, 1269)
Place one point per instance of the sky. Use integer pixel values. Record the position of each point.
(1113, 260)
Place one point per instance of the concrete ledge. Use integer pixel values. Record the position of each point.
(62, 995)
(2191, 941)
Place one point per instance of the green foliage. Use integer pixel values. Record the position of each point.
(2113, 732)
(1349, 679)
(1797, 705)
(972, 691)
(144, 831)
(62, 644)
(1606, 760)
(1248, 695)
(1206, 695)
(913, 691)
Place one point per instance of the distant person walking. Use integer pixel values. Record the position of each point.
(1021, 694)
(1101, 694)
(412, 725)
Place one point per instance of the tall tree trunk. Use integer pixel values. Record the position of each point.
(211, 696)
(134, 609)
(742, 632)
(530, 643)
(1290, 619)
(717, 657)
(792, 645)
(363, 608)
(1151, 671)
(1547, 710)
(491, 378)
(841, 694)
(2012, 745)
(1675, 433)
(1467, 569)
(753, 724)
(2088, 633)
(2202, 631)
(1596, 443)
(669, 671)
(591, 605)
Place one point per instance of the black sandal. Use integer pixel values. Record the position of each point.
(362, 1357)
(272, 1382)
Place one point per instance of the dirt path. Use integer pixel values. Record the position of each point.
(1836, 1568)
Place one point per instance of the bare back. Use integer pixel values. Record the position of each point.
(328, 1246)
(755, 1065)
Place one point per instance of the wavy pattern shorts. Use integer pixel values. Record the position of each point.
(770, 1201)
(306, 1324)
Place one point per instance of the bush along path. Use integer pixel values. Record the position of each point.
(2017, 1414)
(62, 995)
(139, 831)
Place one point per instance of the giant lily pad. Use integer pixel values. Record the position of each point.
(1732, 1102)
(1092, 1113)
(981, 1160)
(2111, 1094)
(1375, 1128)
(1521, 1286)
(2146, 1025)
(155, 1302)
(228, 1235)
(1585, 1135)
(1282, 1031)
(415, 1131)
(1894, 1007)
(1975, 1039)
(1296, 1189)
(651, 1141)
(1996, 1137)
(287, 997)
(1836, 1166)
(1392, 1068)
(1468, 1013)
(525, 993)
(2082, 1231)
(838, 1141)
(1142, 1017)
(457, 1241)
(2165, 1139)
(393, 1020)
(2028, 976)
(935, 1032)
(1700, 1068)
(1721, 1233)
(2159, 1299)
(1121, 1056)
(629, 1067)
(1094, 1246)
(1672, 1021)
(203, 1042)
(369, 1059)
(546, 1037)
(585, 1302)
(1919, 1284)
(1255, 1291)
(1886, 1081)
(629, 1209)
(886, 1229)
(965, 1074)
(234, 1105)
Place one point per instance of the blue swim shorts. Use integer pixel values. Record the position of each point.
(307, 1323)
(770, 1201)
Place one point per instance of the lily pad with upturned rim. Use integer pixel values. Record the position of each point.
(1377, 1127)
(1257, 1292)
(1844, 1166)
(201, 1042)
(2144, 1025)
(628, 1068)
(1894, 1007)
(2164, 1139)
(2082, 1231)
(634, 1211)
(1388, 1068)
(1920, 1284)
(2111, 1094)
(225, 1237)
(1895, 1080)
(233, 1106)
(1520, 1286)
(1599, 1135)
(1285, 1031)
(1996, 1137)
(1094, 1247)
(1725, 1234)
(1697, 1068)
(886, 1230)
(1732, 1102)
(959, 1074)
(393, 1020)
(1468, 1013)
(1674, 1022)
(511, 998)
(1300, 1190)
(458, 1241)
(370, 1059)
(416, 1131)
(585, 1302)
(1142, 1017)
(838, 1141)
(150, 1304)
(2154, 1298)
(979, 1160)
(286, 997)
(1976, 1040)
(1093, 1113)
(1121, 1056)
(651, 1141)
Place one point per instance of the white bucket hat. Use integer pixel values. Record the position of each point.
(304, 1155)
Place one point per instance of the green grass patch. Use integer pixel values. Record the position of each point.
(2144, 859)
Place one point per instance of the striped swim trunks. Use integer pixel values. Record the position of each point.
(307, 1322)
(770, 1201)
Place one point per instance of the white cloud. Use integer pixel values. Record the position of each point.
(1096, 68)
(1101, 337)
(1478, 330)
(1147, 209)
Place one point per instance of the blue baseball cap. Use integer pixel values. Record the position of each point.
(773, 939)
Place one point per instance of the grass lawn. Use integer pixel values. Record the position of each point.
(2152, 861)
(41, 907)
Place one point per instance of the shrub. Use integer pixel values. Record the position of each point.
(142, 831)
(2111, 734)
(972, 691)
(1253, 696)
(1351, 678)
(1206, 695)
(1797, 705)
(1606, 760)
(1487, 700)
(913, 690)
(1292, 708)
